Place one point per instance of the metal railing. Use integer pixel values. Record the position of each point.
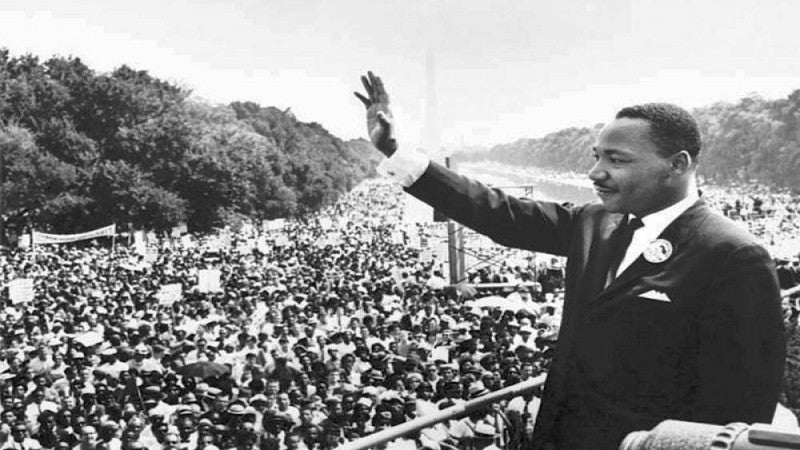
(461, 410)
(466, 408)
(791, 291)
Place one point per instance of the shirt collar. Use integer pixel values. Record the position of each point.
(659, 220)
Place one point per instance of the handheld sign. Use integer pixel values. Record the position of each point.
(208, 280)
(169, 294)
(20, 290)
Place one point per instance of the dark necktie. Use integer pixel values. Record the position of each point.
(621, 240)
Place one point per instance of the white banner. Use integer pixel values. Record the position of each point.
(20, 290)
(45, 238)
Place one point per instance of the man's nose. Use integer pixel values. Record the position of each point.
(597, 172)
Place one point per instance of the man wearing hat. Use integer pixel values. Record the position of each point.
(285, 407)
(42, 363)
(110, 364)
(477, 389)
(485, 437)
(526, 338)
(670, 312)
(152, 396)
(20, 438)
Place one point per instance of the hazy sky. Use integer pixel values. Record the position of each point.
(504, 69)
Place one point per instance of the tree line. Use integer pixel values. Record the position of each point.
(751, 140)
(80, 149)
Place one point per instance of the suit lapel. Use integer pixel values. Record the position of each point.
(600, 256)
(678, 233)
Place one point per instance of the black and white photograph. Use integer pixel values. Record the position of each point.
(418, 225)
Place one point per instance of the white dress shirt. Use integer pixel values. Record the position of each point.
(654, 225)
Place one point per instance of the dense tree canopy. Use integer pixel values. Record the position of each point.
(83, 149)
(751, 140)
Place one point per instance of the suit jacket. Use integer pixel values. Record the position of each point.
(714, 353)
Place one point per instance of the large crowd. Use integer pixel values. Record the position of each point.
(341, 325)
(332, 327)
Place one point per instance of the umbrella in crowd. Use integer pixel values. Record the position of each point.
(204, 369)
(89, 338)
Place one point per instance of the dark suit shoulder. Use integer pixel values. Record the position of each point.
(724, 234)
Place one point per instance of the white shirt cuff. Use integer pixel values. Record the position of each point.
(405, 166)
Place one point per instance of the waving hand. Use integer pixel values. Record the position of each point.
(379, 117)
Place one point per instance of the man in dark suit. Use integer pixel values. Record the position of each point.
(670, 311)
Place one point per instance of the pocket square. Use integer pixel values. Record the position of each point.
(655, 295)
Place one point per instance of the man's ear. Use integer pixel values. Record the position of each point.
(681, 161)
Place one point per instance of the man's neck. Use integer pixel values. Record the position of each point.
(688, 193)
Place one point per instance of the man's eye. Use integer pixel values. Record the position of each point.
(595, 157)
(616, 160)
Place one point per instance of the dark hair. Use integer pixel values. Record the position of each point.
(672, 128)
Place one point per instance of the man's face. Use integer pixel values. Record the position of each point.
(9, 417)
(283, 400)
(293, 442)
(185, 427)
(306, 416)
(171, 441)
(19, 432)
(89, 436)
(631, 175)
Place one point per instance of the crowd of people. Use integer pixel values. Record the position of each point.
(340, 326)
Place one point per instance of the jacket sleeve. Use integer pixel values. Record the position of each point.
(522, 223)
(741, 342)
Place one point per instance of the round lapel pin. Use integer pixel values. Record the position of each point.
(658, 251)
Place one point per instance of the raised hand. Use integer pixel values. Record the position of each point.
(379, 117)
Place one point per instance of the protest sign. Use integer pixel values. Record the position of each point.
(169, 294)
(397, 238)
(281, 240)
(151, 255)
(24, 241)
(208, 280)
(139, 243)
(187, 242)
(262, 245)
(21, 290)
(440, 353)
(245, 247)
